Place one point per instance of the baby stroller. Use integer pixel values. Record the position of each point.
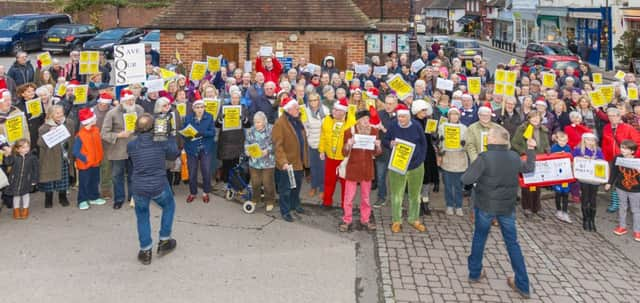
(239, 185)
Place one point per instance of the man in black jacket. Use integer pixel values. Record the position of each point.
(495, 173)
(21, 71)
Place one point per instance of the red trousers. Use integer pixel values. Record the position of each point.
(330, 178)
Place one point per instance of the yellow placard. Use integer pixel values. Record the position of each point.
(549, 80)
(500, 75)
(303, 114)
(599, 171)
(620, 75)
(597, 100)
(348, 75)
(212, 106)
(231, 117)
(167, 74)
(182, 109)
(597, 78)
(94, 56)
(189, 131)
(130, 121)
(14, 128)
(198, 70)
(452, 137)
(512, 76)
(442, 120)
(34, 107)
(565, 185)
(300, 101)
(485, 140)
(498, 88)
(352, 110)
(607, 92)
(532, 188)
(402, 88)
(81, 93)
(513, 61)
(632, 93)
(84, 68)
(509, 89)
(84, 56)
(89, 61)
(468, 64)
(213, 64)
(431, 127)
(401, 156)
(475, 85)
(93, 68)
(61, 90)
(45, 59)
(528, 132)
(254, 151)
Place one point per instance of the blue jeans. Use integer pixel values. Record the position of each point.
(381, 176)
(289, 197)
(88, 184)
(203, 161)
(452, 188)
(317, 170)
(167, 203)
(510, 237)
(121, 169)
(213, 159)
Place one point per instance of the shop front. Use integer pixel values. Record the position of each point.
(549, 24)
(593, 35)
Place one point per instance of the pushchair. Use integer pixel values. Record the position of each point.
(238, 186)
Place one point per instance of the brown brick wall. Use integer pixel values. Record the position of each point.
(191, 47)
(24, 7)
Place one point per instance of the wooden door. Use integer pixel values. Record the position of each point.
(319, 51)
(228, 50)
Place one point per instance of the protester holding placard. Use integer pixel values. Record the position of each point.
(477, 133)
(626, 180)
(422, 112)
(231, 140)
(55, 161)
(270, 67)
(387, 118)
(116, 136)
(262, 167)
(588, 149)
(101, 109)
(454, 161)
(26, 93)
(198, 147)
(404, 128)
(315, 112)
(562, 190)
(509, 117)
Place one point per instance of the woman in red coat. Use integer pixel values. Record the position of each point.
(575, 130)
(612, 134)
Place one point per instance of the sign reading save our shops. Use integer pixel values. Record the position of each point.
(129, 64)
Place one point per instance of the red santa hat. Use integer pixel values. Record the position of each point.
(354, 90)
(453, 109)
(342, 105)
(73, 83)
(485, 108)
(197, 102)
(105, 98)
(374, 118)
(126, 94)
(542, 102)
(288, 103)
(86, 116)
(373, 93)
(5, 92)
(402, 109)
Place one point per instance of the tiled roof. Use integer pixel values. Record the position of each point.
(263, 15)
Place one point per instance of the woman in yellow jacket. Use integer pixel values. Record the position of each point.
(330, 148)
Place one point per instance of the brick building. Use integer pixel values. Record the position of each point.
(294, 28)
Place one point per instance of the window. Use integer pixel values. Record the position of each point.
(31, 26)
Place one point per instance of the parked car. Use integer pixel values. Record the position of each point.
(105, 41)
(68, 37)
(426, 41)
(547, 48)
(462, 49)
(554, 62)
(24, 32)
(153, 38)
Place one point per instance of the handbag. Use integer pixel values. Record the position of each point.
(342, 167)
(4, 181)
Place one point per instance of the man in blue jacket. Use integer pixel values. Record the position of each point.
(149, 182)
(21, 71)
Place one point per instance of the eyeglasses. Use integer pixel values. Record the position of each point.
(198, 106)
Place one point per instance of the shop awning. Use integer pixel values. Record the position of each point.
(586, 15)
(555, 19)
(466, 19)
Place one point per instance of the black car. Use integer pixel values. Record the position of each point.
(462, 49)
(68, 37)
(105, 41)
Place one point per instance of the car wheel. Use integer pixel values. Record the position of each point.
(17, 48)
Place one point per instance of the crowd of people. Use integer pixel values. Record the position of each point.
(308, 124)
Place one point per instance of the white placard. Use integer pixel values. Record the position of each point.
(362, 68)
(584, 170)
(549, 171)
(55, 136)
(417, 65)
(444, 84)
(633, 163)
(266, 51)
(154, 85)
(364, 142)
(248, 67)
(129, 64)
(312, 68)
(380, 70)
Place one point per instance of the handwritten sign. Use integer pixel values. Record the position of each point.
(401, 156)
(380, 70)
(553, 170)
(34, 107)
(417, 65)
(45, 59)
(452, 137)
(81, 92)
(198, 70)
(254, 151)
(130, 121)
(212, 106)
(231, 117)
(632, 163)
(401, 87)
(364, 142)
(14, 128)
(475, 85)
(213, 64)
(597, 78)
(362, 68)
(549, 80)
(266, 51)
(590, 170)
(154, 85)
(56, 136)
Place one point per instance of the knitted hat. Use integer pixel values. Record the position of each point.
(373, 93)
(126, 94)
(402, 109)
(341, 104)
(105, 98)
(288, 103)
(86, 116)
(419, 105)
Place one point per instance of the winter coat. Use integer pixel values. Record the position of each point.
(231, 142)
(313, 126)
(87, 148)
(510, 122)
(519, 143)
(22, 74)
(3, 118)
(264, 140)
(272, 75)
(574, 133)
(360, 166)
(265, 105)
(473, 142)
(332, 136)
(431, 173)
(455, 161)
(205, 137)
(33, 123)
(413, 133)
(113, 124)
(149, 175)
(287, 145)
(611, 143)
(50, 158)
(23, 174)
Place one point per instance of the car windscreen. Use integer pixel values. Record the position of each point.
(111, 34)
(557, 50)
(11, 24)
(467, 44)
(152, 36)
(59, 31)
(563, 64)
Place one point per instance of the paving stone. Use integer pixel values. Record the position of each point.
(406, 295)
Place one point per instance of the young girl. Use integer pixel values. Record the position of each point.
(23, 176)
(562, 192)
(87, 149)
(627, 182)
(588, 149)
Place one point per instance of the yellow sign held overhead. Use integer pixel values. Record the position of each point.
(213, 64)
(34, 107)
(198, 70)
(45, 59)
(212, 106)
(81, 92)
(597, 78)
(475, 85)
(549, 80)
(231, 117)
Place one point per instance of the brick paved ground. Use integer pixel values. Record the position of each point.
(564, 263)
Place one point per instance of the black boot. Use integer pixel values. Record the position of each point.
(62, 198)
(424, 209)
(48, 199)
(585, 219)
(593, 219)
(436, 187)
